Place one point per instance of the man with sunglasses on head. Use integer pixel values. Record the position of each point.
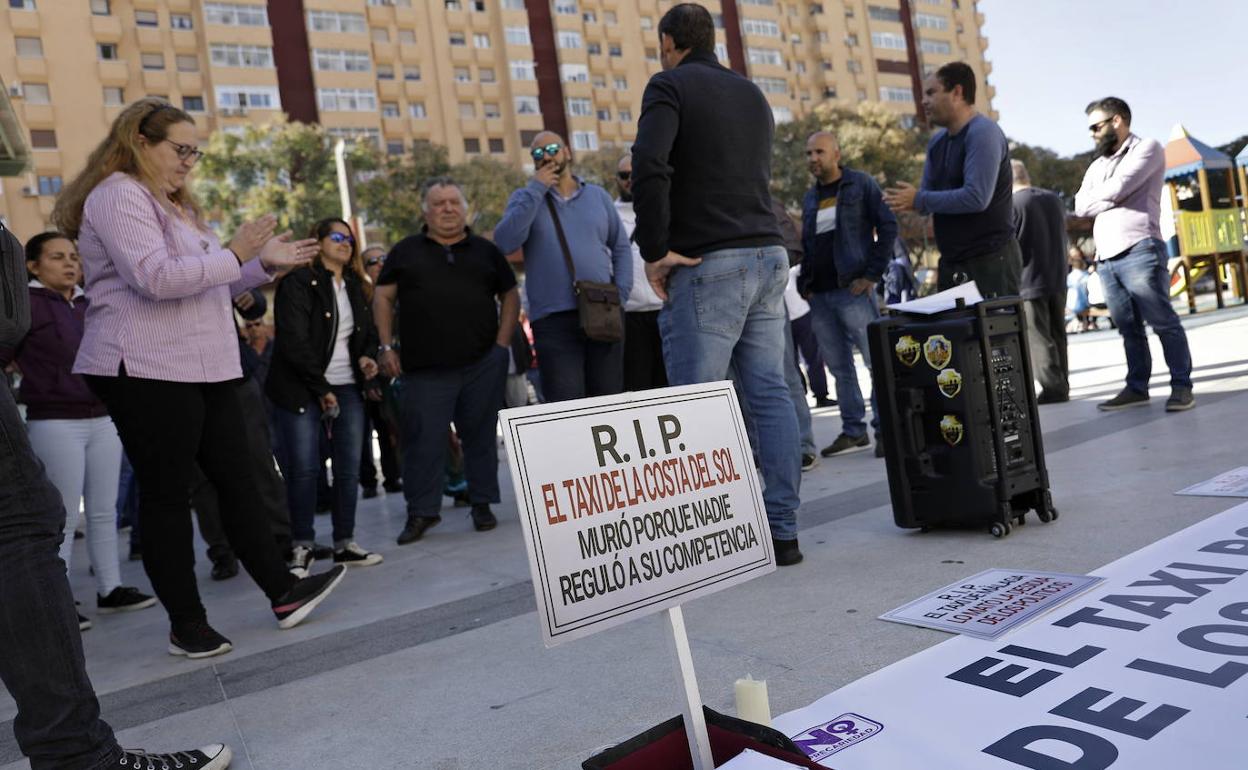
(572, 365)
(1122, 189)
(643, 345)
(714, 253)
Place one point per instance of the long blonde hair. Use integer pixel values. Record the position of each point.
(121, 151)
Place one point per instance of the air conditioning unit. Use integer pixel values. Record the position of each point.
(15, 89)
(30, 192)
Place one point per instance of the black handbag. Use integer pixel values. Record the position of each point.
(597, 304)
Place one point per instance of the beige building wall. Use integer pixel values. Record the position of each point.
(459, 73)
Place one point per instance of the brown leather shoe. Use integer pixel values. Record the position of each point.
(415, 528)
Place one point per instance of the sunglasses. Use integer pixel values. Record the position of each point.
(1096, 127)
(624, 175)
(185, 151)
(254, 324)
(341, 238)
(547, 151)
(372, 261)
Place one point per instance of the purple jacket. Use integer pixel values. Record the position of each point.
(50, 390)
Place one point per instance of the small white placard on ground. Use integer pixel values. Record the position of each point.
(635, 503)
(941, 301)
(991, 603)
(1230, 484)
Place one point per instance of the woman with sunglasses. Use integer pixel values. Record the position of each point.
(324, 345)
(160, 349)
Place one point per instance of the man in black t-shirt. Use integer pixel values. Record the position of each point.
(460, 308)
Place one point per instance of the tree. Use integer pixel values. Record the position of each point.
(282, 168)
(487, 184)
(1050, 170)
(599, 167)
(390, 196)
(872, 140)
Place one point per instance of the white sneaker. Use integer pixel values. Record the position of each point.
(300, 561)
(354, 556)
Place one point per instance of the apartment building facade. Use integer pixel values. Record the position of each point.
(480, 77)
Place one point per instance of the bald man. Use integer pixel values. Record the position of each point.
(571, 364)
(848, 233)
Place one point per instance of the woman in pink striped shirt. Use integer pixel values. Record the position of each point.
(161, 349)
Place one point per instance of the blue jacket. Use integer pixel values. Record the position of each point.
(865, 231)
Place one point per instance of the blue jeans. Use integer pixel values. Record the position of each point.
(573, 365)
(430, 399)
(840, 321)
(300, 433)
(1137, 290)
(729, 310)
(41, 663)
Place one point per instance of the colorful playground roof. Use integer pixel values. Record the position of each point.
(1185, 154)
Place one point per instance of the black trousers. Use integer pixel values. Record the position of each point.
(272, 489)
(573, 365)
(166, 428)
(376, 419)
(1046, 335)
(996, 274)
(643, 352)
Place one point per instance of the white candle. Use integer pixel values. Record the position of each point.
(752, 704)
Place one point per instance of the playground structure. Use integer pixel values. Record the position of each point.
(1208, 217)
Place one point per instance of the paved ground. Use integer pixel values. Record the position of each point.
(434, 659)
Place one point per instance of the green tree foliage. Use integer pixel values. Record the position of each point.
(1050, 170)
(599, 167)
(391, 195)
(282, 168)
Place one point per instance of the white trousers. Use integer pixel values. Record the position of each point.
(83, 461)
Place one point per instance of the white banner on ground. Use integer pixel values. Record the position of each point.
(1146, 670)
(635, 503)
(992, 602)
(1230, 484)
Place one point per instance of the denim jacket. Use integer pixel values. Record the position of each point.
(865, 231)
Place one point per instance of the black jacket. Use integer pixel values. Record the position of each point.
(305, 316)
(702, 162)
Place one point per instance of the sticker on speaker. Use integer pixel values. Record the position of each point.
(908, 350)
(951, 429)
(949, 382)
(937, 351)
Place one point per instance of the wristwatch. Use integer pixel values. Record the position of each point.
(384, 348)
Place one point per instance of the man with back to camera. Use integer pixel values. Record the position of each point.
(712, 245)
(643, 345)
(572, 365)
(1122, 189)
(966, 187)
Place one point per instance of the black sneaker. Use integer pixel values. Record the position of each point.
(196, 639)
(393, 487)
(213, 757)
(1049, 397)
(416, 527)
(1124, 400)
(368, 493)
(304, 596)
(846, 444)
(1181, 399)
(821, 403)
(83, 622)
(483, 518)
(353, 555)
(787, 552)
(123, 599)
(321, 552)
(809, 461)
(300, 561)
(224, 567)
(879, 447)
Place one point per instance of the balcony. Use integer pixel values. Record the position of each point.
(461, 54)
(111, 112)
(405, 16)
(32, 69)
(39, 115)
(388, 89)
(24, 22)
(150, 38)
(113, 72)
(409, 52)
(184, 41)
(465, 90)
(495, 126)
(394, 126)
(46, 160)
(190, 82)
(380, 14)
(156, 81)
(178, 5)
(107, 29)
(383, 52)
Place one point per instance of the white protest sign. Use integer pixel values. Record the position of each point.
(991, 603)
(635, 503)
(1146, 670)
(1230, 484)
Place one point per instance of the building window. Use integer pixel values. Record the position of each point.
(114, 96)
(513, 5)
(879, 13)
(236, 15)
(593, 49)
(496, 146)
(381, 35)
(486, 74)
(333, 21)
(589, 17)
(816, 9)
(851, 40)
(527, 105)
(566, 7)
(829, 92)
(242, 97)
(522, 69)
(609, 18)
(626, 116)
(888, 40)
(621, 83)
(181, 21)
(930, 21)
(721, 52)
(580, 108)
(935, 46)
(335, 60)
(853, 65)
(862, 95)
(36, 93)
(49, 185)
(604, 114)
(152, 61)
(385, 72)
(908, 121)
(491, 110)
(30, 47)
(43, 139)
(781, 114)
(411, 73)
(101, 7)
(478, 6)
(569, 39)
(759, 2)
(652, 54)
(574, 73)
(407, 36)
(187, 62)
(826, 65)
(647, 22)
(463, 75)
(894, 94)
(394, 147)
(235, 55)
(772, 85)
(107, 51)
(472, 146)
(457, 38)
(193, 103)
(417, 110)
(615, 50)
(146, 19)
(22, 5)
(599, 81)
(480, 40)
(584, 140)
(467, 110)
(517, 36)
(760, 27)
(801, 68)
(389, 109)
(764, 56)
(346, 100)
